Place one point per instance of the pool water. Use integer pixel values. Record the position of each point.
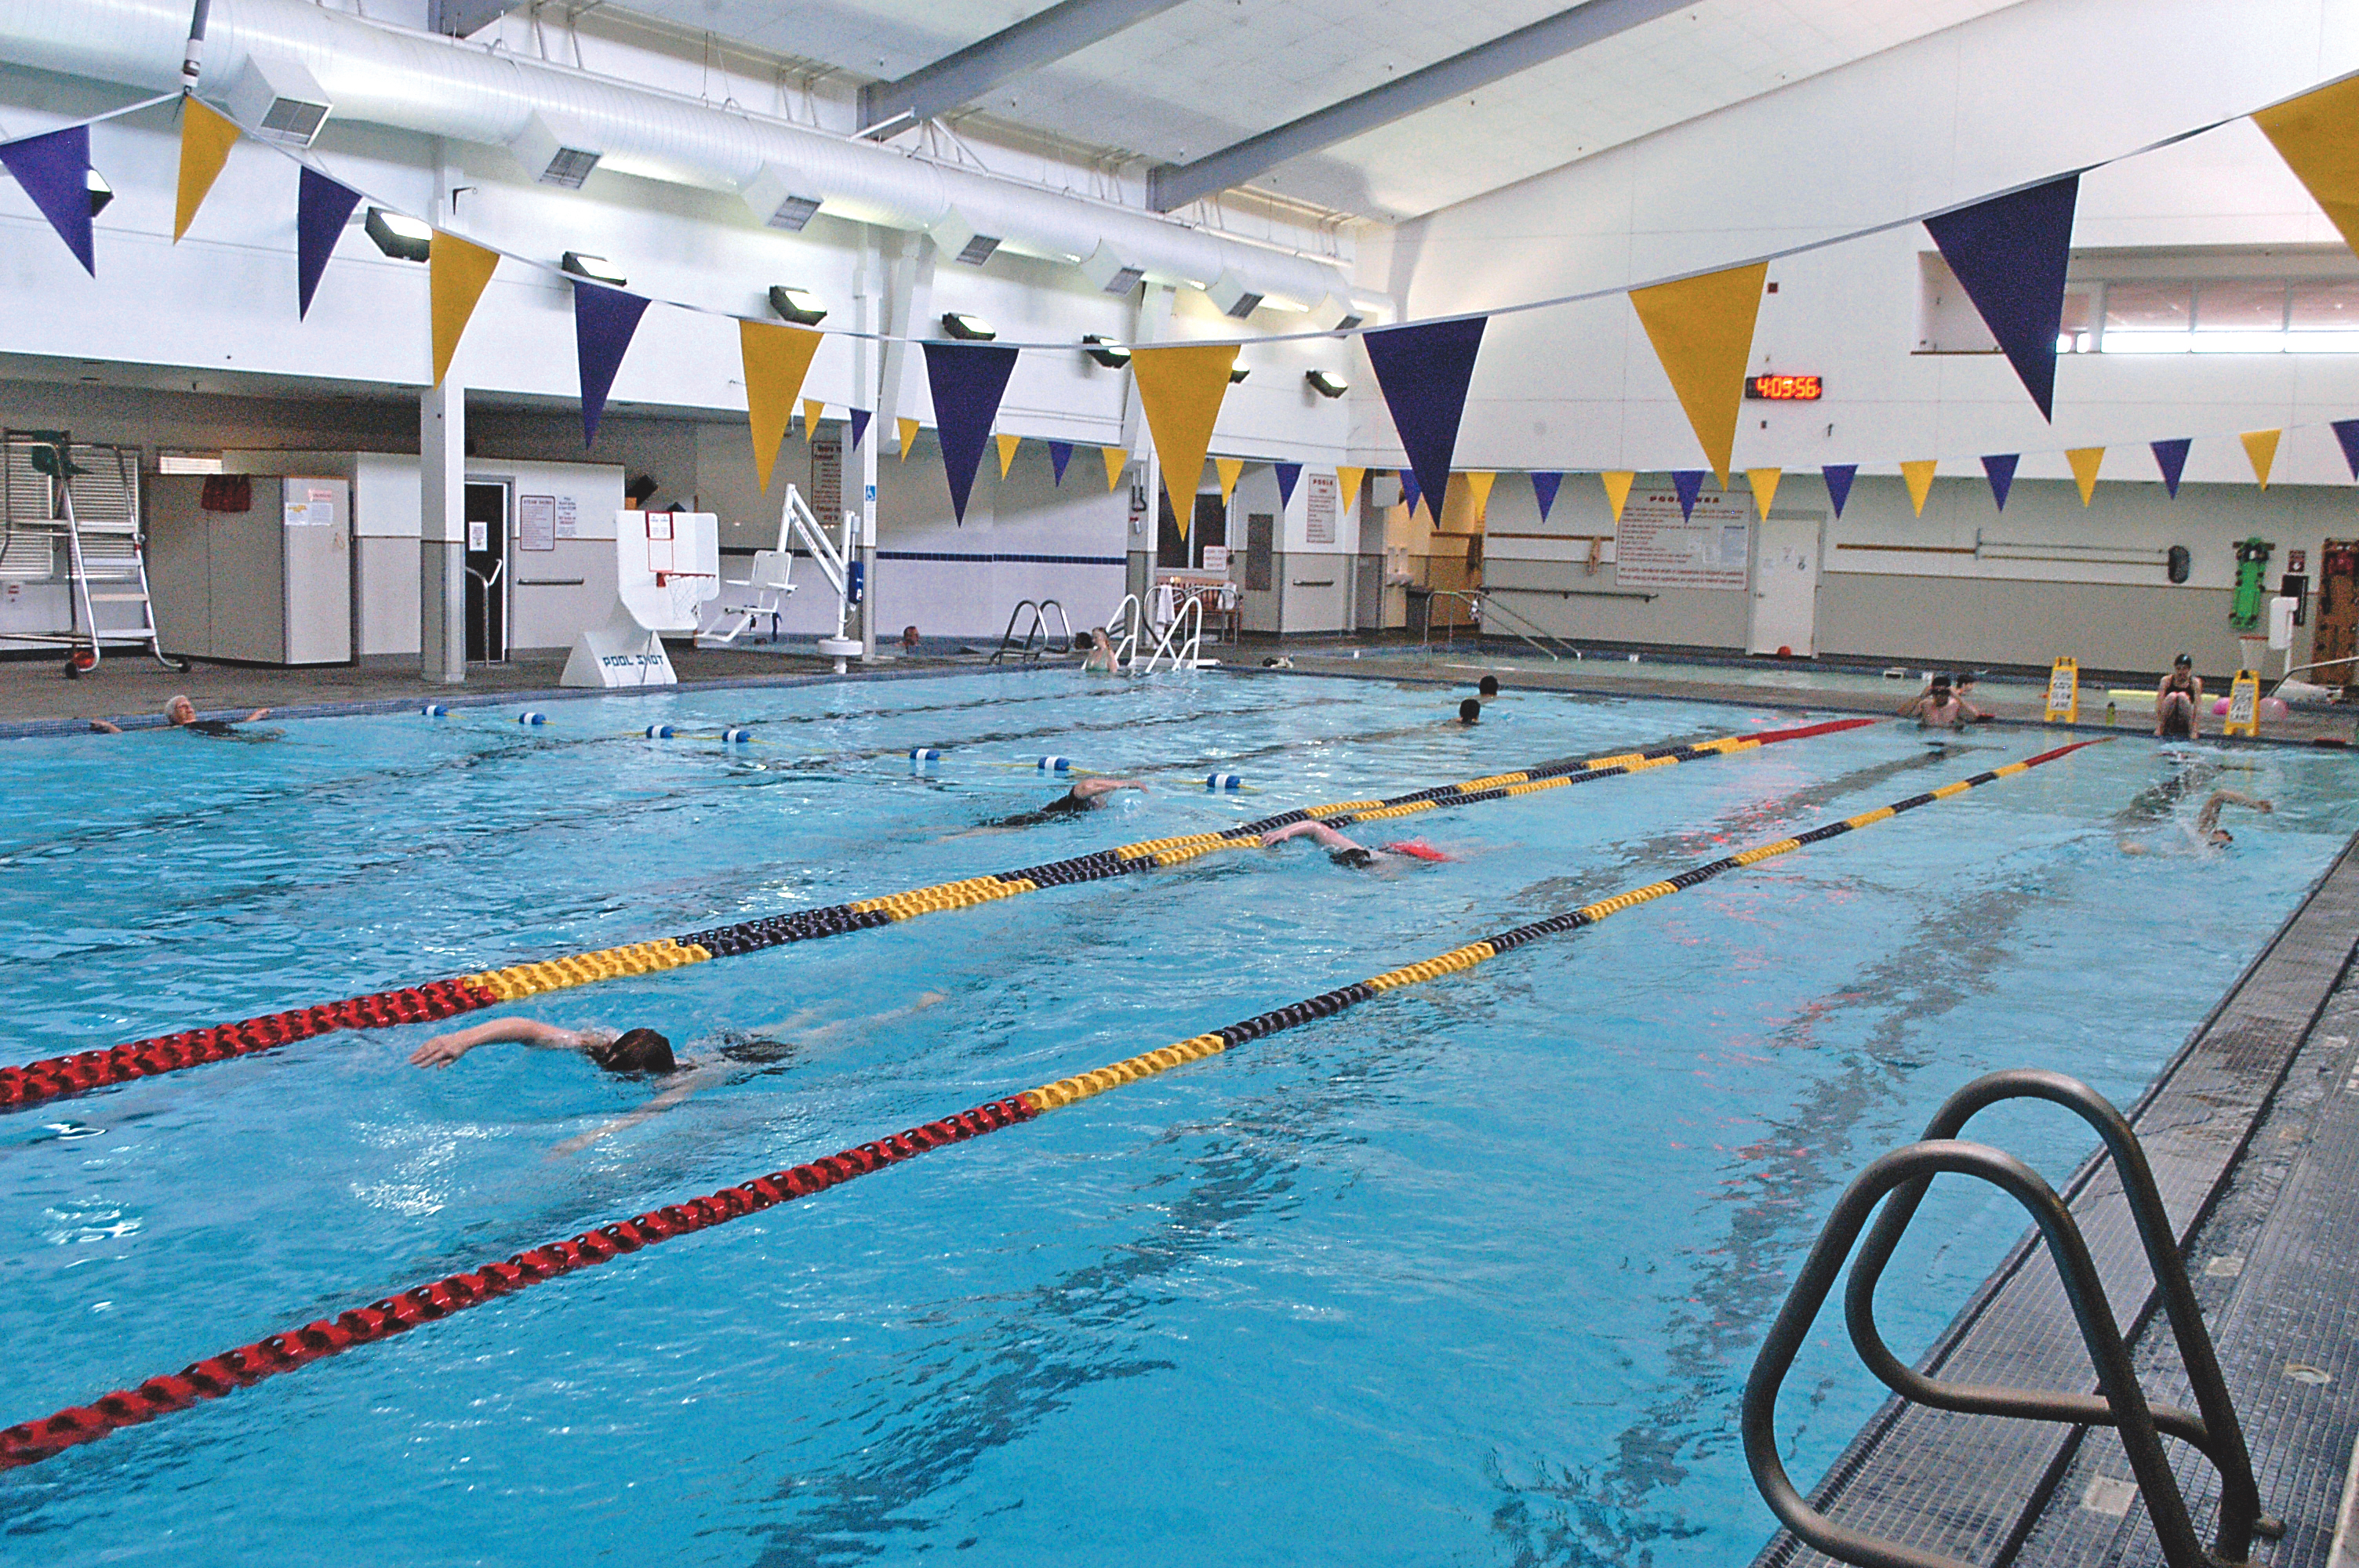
(1471, 1273)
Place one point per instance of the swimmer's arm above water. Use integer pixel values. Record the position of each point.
(445, 1049)
(1315, 828)
(683, 1084)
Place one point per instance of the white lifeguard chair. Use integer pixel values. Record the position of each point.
(667, 568)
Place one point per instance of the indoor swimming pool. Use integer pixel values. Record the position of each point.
(1471, 1273)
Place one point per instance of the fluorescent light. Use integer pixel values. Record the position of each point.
(1326, 384)
(800, 306)
(1238, 373)
(1112, 355)
(188, 462)
(597, 269)
(398, 235)
(971, 329)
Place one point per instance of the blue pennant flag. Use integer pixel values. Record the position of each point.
(1838, 477)
(860, 418)
(54, 170)
(1424, 371)
(1689, 484)
(1409, 492)
(603, 320)
(2347, 432)
(2001, 470)
(2170, 456)
(1289, 475)
(1544, 488)
(2010, 254)
(968, 380)
(1059, 454)
(321, 208)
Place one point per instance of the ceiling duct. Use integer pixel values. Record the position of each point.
(779, 200)
(415, 82)
(555, 151)
(962, 242)
(1110, 273)
(279, 101)
(1234, 297)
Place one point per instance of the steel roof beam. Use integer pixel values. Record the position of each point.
(1176, 185)
(1062, 30)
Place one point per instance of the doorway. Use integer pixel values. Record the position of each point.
(487, 577)
(1786, 584)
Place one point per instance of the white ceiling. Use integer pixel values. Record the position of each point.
(1208, 73)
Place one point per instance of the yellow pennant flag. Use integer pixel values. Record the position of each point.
(2085, 462)
(2318, 136)
(1348, 483)
(1180, 389)
(1702, 331)
(206, 137)
(1228, 469)
(1618, 490)
(1919, 476)
(814, 412)
(2261, 447)
(456, 272)
(775, 359)
(1116, 460)
(1007, 445)
(908, 429)
(1765, 487)
(1478, 484)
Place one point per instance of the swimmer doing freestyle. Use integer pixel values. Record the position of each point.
(1359, 856)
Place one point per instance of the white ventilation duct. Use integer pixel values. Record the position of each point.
(436, 86)
(279, 100)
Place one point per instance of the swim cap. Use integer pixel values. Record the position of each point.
(1420, 849)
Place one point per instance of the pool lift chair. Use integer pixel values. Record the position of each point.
(766, 588)
(103, 545)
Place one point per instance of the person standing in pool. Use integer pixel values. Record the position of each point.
(180, 713)
(1359, 856)
(1938, 707)
(1097, 651)
(2179, 701)
(1469, 713)
(1487, 687)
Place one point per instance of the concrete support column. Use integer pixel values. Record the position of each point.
(442, 533)
(868, 356)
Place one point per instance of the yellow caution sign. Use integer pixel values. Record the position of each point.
(2063, 692)
(2244, 705)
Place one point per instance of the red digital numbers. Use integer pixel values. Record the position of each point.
(1785, 388)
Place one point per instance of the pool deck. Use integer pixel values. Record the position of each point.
(2254, 1135)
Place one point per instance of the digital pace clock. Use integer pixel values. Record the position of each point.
(1785, 388)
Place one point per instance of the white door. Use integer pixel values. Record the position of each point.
(1786, 584)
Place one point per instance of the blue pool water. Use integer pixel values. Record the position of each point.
(1471, 1274)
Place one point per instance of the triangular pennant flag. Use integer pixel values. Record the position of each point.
(1347, 485)
(1116, 460)
(1919, 476)
(1617, 489)
(1544, 486)
(206, 137)
(2010, 254)
(1289, 476)
(603, 320)
(456, 272)
(968, 380)
(1180, 388)
(776, 358)
(2318, 136)
(1228, 469)
(2347, 432)
(2261, 447)
(322, 206)
(1702, 331)
(54, 170)
(1765, 487)
(860, 418)
(2001, 470)
(1480, 481)
(1423, 371)
(1007, 445)
(908, 429)
(2085, 462)
(1838, 477)
(1059, 454)
(814, 410)
(2170, 456)
(1687, 484)
(1411, 494)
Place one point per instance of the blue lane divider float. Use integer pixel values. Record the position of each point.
(435, 710)
(1224, 781)
(737, 737)
(1056, 764)
(532, 716)
(925, 753)
(660, 731)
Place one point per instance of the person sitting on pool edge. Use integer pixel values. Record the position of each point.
(1344, 852)
(2177, 701)
(180, 713)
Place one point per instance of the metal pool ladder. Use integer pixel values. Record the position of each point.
(1904, 1175)
(1038, 627)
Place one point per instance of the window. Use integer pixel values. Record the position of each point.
(2212, 300)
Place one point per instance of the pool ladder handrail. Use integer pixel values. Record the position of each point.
(1123, 627)
(1037, 627)
(1484, 607)
(1187, 654)
(1905, 1174)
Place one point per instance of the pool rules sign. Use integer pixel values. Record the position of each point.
(1657, 545)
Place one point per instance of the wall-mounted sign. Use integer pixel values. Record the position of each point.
(1785, 388)
(537, 522)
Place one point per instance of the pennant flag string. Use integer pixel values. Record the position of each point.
(1618, 490)
(1480, 481)
(777, 357)
(813, 411)
(1765, 487)
(2170, 456)
(322, 206)
(1347, 485)
(605, 320)
(1007, 445)
(1424, 371)
(2001, 470)
(2346, 432)
(1701, 329)
(1229, 469)
(54, 170)
(1115, 461)
(206, 137)
(967, 381)
(2261, 447)
(906, 428)
(2085, 462)
(1180, 388)
(1059, 454)
(1687, 484)
(1838, 477)
(1544, 488)
(2009, 255)
(1289, 476)
(860, 418)
(1918, 477)
(456, 273)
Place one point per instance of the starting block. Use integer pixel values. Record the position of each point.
(666, 566)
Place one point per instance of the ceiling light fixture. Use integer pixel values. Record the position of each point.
(1326, 383)
(1238, 373)
(398, 235)
(800, 306)
(101, 194)
(968, 329)
(1107, 352)
(597, 269)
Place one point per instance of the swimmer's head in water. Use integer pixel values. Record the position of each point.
(2222, 835)
(636, 1051)
(180, 710)
(1468, 711)
(1940, 683)
(1488, 685)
